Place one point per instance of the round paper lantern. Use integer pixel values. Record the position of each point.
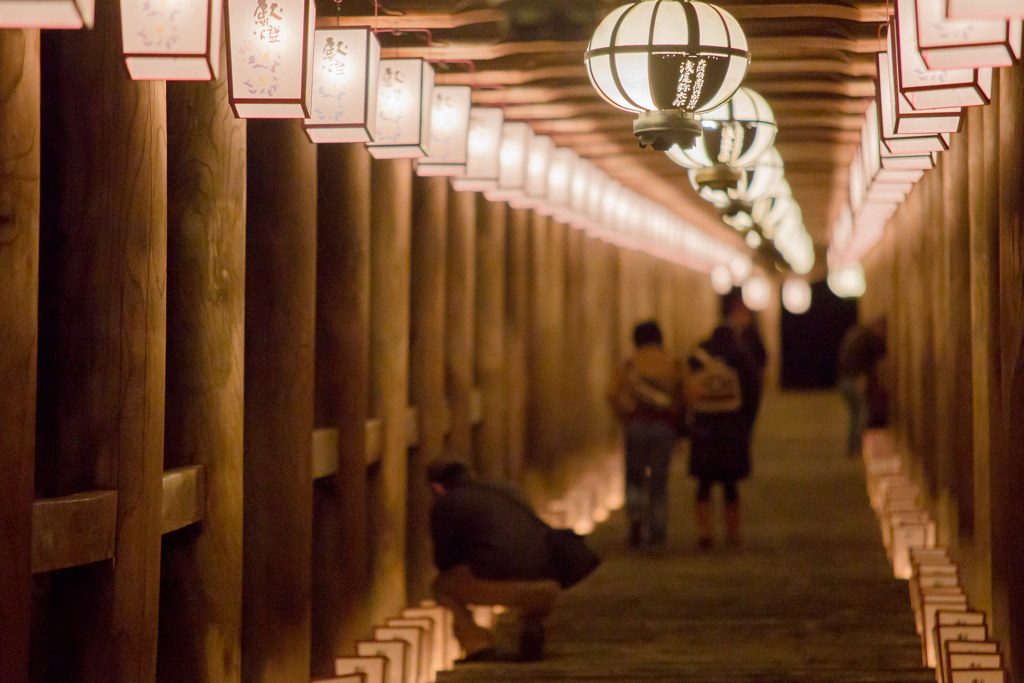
(721, 279)
(753, 239)
(667, 60)
(740, 266)
(847, 282)
(757, 293)
(796, 295)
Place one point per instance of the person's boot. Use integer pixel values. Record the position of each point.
(732, 523)
(704, 533)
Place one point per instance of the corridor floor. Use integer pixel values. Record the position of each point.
(808, 596)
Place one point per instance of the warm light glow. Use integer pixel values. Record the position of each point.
(538, 158)
(560, 177)
(847, 282)
(515, 140)
(58, 14)
(760, 180)
(741, 267)
(796, 295)
(345, 79)
(171, 40)
(270, 61)
(757, 293)
(579, 194)
(737, 134)
(965, 43)
(721, 280)
(753, 240)
(449, 132)
(484, 148)
(405, 105)
(933, 139)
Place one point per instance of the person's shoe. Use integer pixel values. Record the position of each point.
(487, 654)
(636, 534)
(531, 640)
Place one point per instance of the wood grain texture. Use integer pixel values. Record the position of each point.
(516, 336)
(184, 497)
(390, 239)
(574, 368)
(19, 294)
(280, 311)
(598, 340)
(103, 345)
(342, 400)
(426, 370)
(460, 285)
(73, 530)
(201, 586)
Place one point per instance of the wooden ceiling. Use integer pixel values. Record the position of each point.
(812, 61)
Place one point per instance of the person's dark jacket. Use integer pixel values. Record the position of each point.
(487, 528)
(720, 442)
(860, 351)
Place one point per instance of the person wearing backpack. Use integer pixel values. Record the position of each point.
(647, 396)
(724, 392)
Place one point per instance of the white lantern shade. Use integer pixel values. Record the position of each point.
(965, 43)
(796, 295)
(741, 267)
(270, 61)
(667, 54)
(735, 133)
(449, 132)
(757, 293)
(579, 193)
(597, 186)
(515, 145)
(887, 95)
(57, 14)
(721, 279)
(847, 282)
(346, 64)
(483, 151)
(984, 9)
(753, 239)
(761, 179)
(538, 161)
(171, 41)
(559, 190)
(405, 104)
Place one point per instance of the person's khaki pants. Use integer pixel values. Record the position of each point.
(457, 588)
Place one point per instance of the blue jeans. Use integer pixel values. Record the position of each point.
(648, 452)
(851, 392)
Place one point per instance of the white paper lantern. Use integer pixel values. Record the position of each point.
(56, 14)
(559, 186)
(847, 282)
(405, 104)
(736, 134)
(721, 280)
(538, 161)
(597, 186)
(576, 213)
(345, 77)
(270, 65)
(483, 153)
(667, 60)
(903, 143)
(515, 144)
(753, 239)
(757, 293)
(171, 40)
(741, 267)
(965, 43)
(796, 295)
(449, 132)
(984, 9)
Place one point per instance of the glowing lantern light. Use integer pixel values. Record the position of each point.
(345, 78)
(598, 184)
(965, 44)
(405, 104)
(449, 132)
(667, 60)
(928, 88)
(757, 293)
(796, 295)
(762, 179)
(515, 143)
(753, 239)
(847, 282)
(984, 9)
(270, 68)
(538, 159)
(721, 280)
(579, 194)
(887, 96)
(906, 120)
(62, 14)
(560, 176)
(172, 41)
(483, 152)
(741, 267)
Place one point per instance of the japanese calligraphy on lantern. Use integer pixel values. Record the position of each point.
(345, 66)
(173, 41)
(269, 60)
(449, 132)
(405, 91)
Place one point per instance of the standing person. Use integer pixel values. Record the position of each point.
(647, 395)
(860, 352)
(725, 391)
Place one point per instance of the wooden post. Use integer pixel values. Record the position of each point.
(599, 339)
(19, 294)
(459, 304)
(280, 313)
(426, 369)
(517, 267)
(491, 443)
(340, 535)
(201, 577)
(390, 223)
(103, 275)
(574, 370)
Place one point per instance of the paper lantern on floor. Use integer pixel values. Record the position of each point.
(515, 144)
(405, 103)
(928, 88)
(965, 43)
(483, 151)
(171, 41)
(270, 65)
(667, 60)
(449, 132)
(57, 14)
(905, 143)
(796, 295)
(984, 9)
(345, 78)
(757, 293)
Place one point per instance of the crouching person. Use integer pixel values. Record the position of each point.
(490, 549)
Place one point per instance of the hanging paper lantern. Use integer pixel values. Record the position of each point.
(796, 295)
(984, 9)
(270, 68)
(598, 186)
(575, 213)
(667, 60)
(904, 143)
(405, 99)
(721, 280)
(757, 293)
(166, 41)
(559, 190)
(483, 151)
(515, 144)
(847, 282)
(740, 266)
(346, 64)
(875, 172)
(538, 159)
(449, 132)
(56, 14)
(965, 43)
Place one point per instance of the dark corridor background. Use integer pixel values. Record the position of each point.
(811, 341)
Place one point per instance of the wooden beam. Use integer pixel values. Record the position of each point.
(415, 20)
(483, 51)
(72, 531)
(184, 497)
(500, 77)
(535, 95)
(854, 66)
(781, 11)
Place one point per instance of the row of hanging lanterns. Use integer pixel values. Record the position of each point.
(939, 58)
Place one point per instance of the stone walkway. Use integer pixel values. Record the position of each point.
(808, 597)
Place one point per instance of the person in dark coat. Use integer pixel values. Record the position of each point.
(720, 442)
(490, 549)
(862, 349)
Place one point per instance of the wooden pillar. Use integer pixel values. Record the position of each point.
(19, 293)
(599, 339)
(459, 304)
(517, 291)
(629, 315)
(342, 381)
(280, 327)
(426, 369)
(201, 577)
(390, 224)
(103, 276)
(574, 369)
(491, 445)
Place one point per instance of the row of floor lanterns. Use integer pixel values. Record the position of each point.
(939, 58)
